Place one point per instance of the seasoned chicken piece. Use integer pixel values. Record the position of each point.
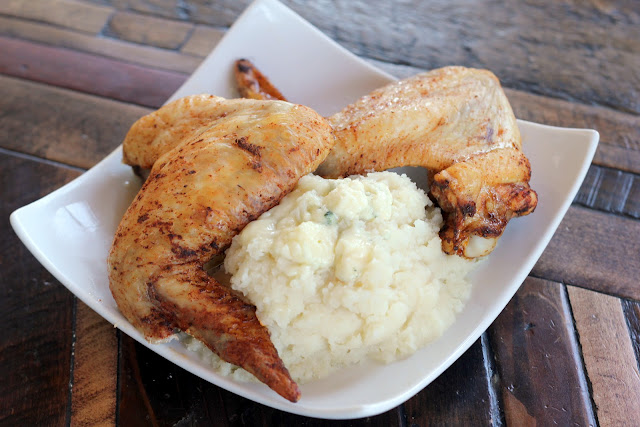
(156, 133)
(457, 123)
(253, 84)
(200, 193)
(445, 117)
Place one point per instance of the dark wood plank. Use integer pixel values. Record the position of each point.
(552, 48)
(538, 359)
(133, 53)
(37, 311)
(88, 73)
(61, 125)
(608, 355)
(631, 311)
(620, 132)
(619, 145)
(594, 250)
(611, 190)
(149, 30)
(95, 369)
(243, 412)
(77, 15)
(463, 395)
(154, 391)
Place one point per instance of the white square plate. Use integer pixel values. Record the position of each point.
(70, 230)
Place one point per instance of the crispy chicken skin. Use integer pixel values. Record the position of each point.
(200, 193)
(457, 123)
(156, 133)
(253, 84)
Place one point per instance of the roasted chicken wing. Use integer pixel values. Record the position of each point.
(218, 173)
(454, 121)
(457, 123)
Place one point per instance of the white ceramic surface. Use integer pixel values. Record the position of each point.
(70, 230)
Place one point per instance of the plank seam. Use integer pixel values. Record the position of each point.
(118, 376)
(72, 359)
(402, 416)
(33, 158)
(568, 283)
(583, 365)
(609, 212)
(47, 23)
(633, 335)
(105, 27)
(496, 411)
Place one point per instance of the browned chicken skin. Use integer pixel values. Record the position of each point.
(201, 192)
(457, 123)
(253, 84)
(454, 121)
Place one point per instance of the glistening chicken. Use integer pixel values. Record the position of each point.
(203, 189)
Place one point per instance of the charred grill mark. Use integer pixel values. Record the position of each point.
(242, 66)
(143, 218)
(489, 231)
(182, 252)
(255, 162)
(468, 208)
(247, 146)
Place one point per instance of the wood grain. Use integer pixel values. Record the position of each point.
(150, 56)
(154, 391)
(611, 190)
(594, 250)
(620, 132)
(572, 63)
(538, 359)
(243, 412)
(95, 369)
(88, 73)
(76, 15)
(61, 125)
(202, 41)
(37, 311)
(462, 395)
(149, 30)
(631, 311)
(576, 55)
(608, 355)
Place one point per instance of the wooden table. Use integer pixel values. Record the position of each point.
(76, 73)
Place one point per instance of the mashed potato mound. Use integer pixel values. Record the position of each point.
(349, 269)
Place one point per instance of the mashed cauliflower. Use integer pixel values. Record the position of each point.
(345, 270)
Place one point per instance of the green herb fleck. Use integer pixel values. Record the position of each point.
(330, 218)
